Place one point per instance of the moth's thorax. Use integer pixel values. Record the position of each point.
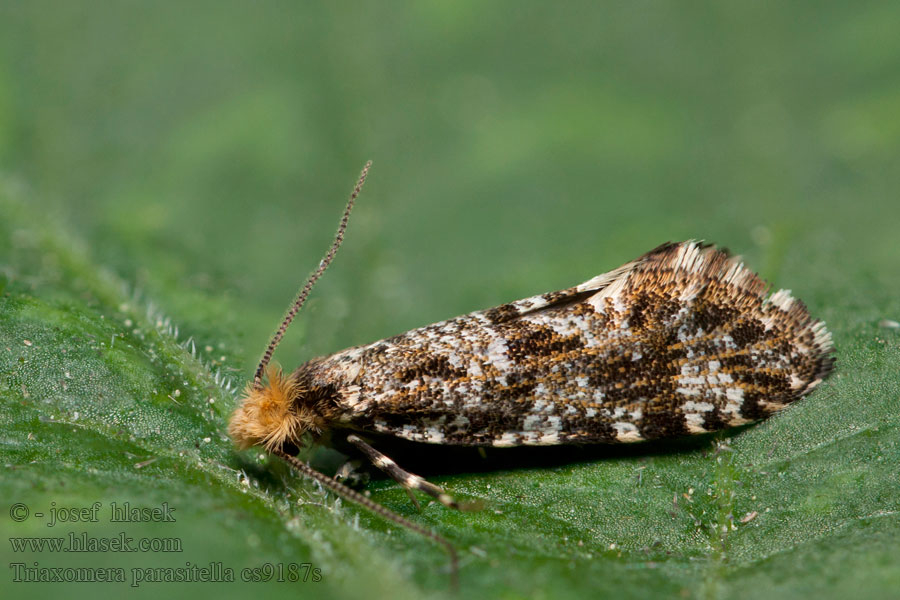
(286, 407)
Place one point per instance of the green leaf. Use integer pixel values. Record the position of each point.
(103, 401)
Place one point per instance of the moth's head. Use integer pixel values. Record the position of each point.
(271, 414)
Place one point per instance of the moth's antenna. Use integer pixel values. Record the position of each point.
(304, 291)
(354, 496)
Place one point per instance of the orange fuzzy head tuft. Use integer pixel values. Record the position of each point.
(268, 415)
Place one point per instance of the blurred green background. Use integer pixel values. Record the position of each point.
(189, 161)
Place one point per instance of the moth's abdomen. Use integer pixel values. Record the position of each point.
(680, 341)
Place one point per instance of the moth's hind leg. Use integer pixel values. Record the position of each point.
(408, 480)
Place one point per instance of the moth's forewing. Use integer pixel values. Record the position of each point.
(682, 340)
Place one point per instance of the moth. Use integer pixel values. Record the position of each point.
(682, 340)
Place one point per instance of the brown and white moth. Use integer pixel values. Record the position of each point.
(682, 340)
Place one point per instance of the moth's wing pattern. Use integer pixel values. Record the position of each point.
(681, 340)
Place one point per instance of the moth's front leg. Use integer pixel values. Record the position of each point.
(408, 480)
(352, 474)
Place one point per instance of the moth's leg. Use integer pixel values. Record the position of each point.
(413, 498)
(352, 474)
(408, 480)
